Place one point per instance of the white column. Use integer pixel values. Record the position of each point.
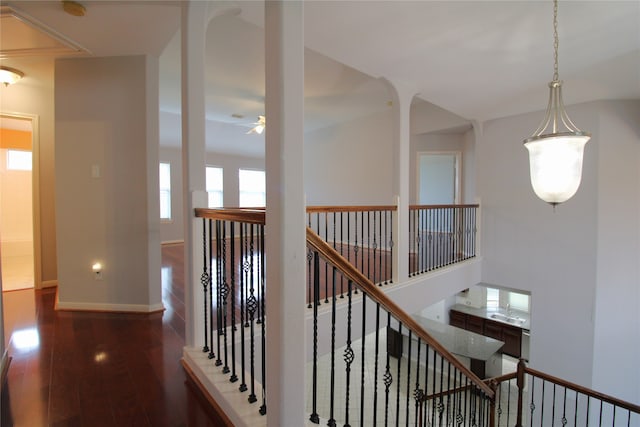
(193, 30)
(403, 154)
(285, 224)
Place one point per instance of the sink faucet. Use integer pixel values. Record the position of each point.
(509, 309)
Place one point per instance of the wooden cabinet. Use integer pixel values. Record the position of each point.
(512, 338)
(458, 319)
(510, 335)
(475, 324)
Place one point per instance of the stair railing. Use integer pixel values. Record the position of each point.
(360, 375)
(529, 397)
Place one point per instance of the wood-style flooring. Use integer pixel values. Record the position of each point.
(101, 369)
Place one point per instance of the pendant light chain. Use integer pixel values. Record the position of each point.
(555, 41)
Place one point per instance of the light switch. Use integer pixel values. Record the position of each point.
(95, 171)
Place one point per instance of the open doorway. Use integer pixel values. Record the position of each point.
(439, 178)
(18, 234)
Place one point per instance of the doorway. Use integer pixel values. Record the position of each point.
(18, 176)
(439, 178)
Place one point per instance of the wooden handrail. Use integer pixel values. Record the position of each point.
(380, 297)
(584, 390)
(314, 209)
(251, 216)
(416, 207)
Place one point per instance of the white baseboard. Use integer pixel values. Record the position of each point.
(105, 307)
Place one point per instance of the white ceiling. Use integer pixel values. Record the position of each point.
(478, 59)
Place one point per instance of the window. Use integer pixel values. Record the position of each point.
(493, 298)
(165, 191)
(252, 188)
(214, 187)
(18, 160)
(519, 301)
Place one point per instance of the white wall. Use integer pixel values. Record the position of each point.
(558, 255)
(351, 163)
(617, 309)
(104, 109)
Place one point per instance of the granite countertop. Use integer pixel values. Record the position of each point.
(460, 342)
(523, 322)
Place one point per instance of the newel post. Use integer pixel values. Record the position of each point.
(492, 411)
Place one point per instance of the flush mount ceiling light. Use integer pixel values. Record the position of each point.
(9, 76)
(557, 146)
(259, 126)
(73, 8)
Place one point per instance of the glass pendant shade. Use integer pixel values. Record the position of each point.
(555, 163)
(555, 152)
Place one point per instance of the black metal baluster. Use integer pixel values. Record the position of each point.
(244, 271)
(369, 246)
(326, 265)
(225, 296)
(332, 394)
(391, 244)
(409, 340)
(575, 412)
(316, 301)
(532, 405)
(341, 254)
(412, 240)
(260, 287)
(234, 266)
(204, 281)
(398, 372)
(261, 314)
(252, 305)
(362, 377)
(219, 285)
(433, 401)
(542, 404)
(309, 270)
(210, 302)
(348, 355)
(376, 278)
(448, 390)
(426, 382)
(375, 366)
(355, 245)
(440, 404)
(417, 393)
(387, 378)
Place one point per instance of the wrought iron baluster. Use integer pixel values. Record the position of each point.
(219, 283)
(375, 366)
(362, 357)
(406, 411)
(332, 421)
(261, 314)
(375, 278)
(210, 302)
(341, 254)
(244, 269)
(398, 372)
(252, 305)
(225, 297)
(316, 301)
(391, 244)
(348, 355)
(204, 281)
(326, 265)
(532, 405)
(417, 393)
(233, 267)
(387, 378)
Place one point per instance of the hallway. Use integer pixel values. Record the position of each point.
(99, 369)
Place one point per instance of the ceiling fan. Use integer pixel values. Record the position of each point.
(259, 126)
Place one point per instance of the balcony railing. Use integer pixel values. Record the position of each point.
(358, 372)
(441, 235)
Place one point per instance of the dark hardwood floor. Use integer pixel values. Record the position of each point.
(100, 369)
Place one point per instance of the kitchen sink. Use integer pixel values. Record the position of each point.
(508, 319)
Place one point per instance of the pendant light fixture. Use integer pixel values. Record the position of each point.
(9, 76)
(557, 146)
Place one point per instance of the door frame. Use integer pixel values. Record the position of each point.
(35, 191)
